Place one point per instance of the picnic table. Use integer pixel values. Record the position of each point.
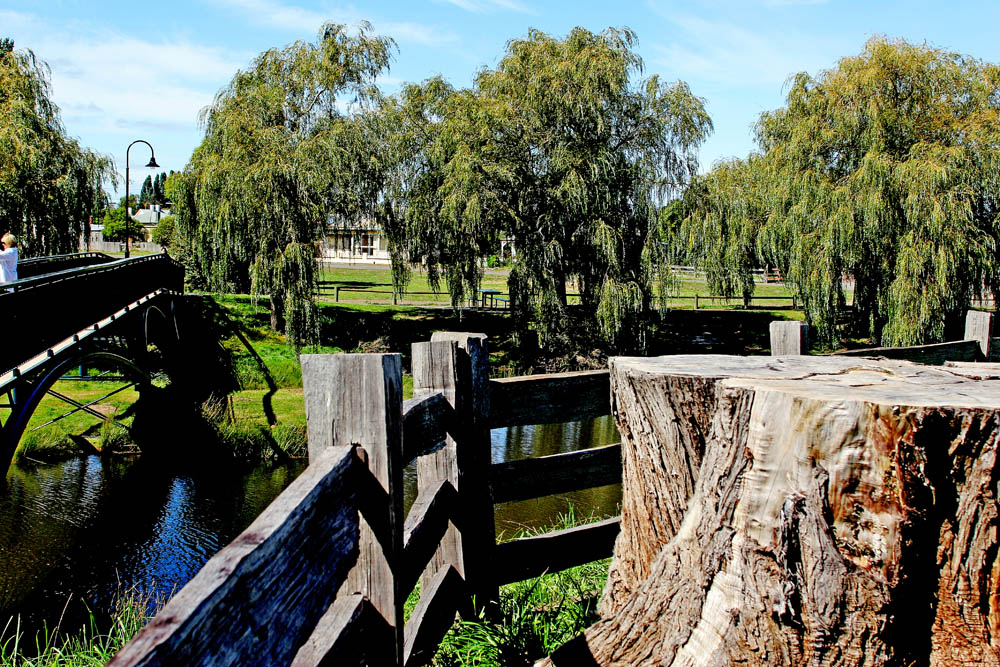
(490, 295)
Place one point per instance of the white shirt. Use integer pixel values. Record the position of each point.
(8, 265)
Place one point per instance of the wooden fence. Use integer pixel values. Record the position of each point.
(321, 576)
(792, 338)
(501, 300)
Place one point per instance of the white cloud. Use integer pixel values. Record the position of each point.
(486, 6)
(278, 15)
(725, 53)
(270, 13)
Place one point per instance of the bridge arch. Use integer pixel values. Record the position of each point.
(24, 407)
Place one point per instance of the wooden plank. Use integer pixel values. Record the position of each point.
(435, 371)
(550, 398)
(352, 632)
(529, 557)
(456, 365)
(426, 524)
(257, 600)
(979, 327)
(425, 424)
(444, 596)
(559, 473)
(789, 338)
(338, 636)
(935, 354)
(357, 398)
(471, 435)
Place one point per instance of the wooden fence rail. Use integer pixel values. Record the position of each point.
(698, 301)
(321, 576)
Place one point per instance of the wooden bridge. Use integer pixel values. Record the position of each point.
(321, 576)
(85, 310)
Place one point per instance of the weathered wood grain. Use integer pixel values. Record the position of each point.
(789, 338)
(559, 473)
(534, 556)
(979, 327)
(457, 365)
(339, 636)
(934, 354)
(548, 399)
(426, 524)
(434, 614)
(842, 511)
(426, 421)
(245, 606)
(357, 398)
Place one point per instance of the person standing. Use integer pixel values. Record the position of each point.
(8, 258)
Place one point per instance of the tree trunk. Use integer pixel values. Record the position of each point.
(277, 304)
(790, 511)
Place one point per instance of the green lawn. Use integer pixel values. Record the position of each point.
(372, 284)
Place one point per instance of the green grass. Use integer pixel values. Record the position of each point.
(266, 371)
(88, 646)
(535, 617)
(375, 279)
(65, 437)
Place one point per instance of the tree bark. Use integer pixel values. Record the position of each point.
(803, 511)
(277, 307)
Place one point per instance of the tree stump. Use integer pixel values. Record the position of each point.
(802, 510)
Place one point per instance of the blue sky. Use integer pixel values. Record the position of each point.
(124, 70)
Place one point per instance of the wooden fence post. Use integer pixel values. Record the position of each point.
(789, 338)
(457, 364)
(979, 327)
(358, 399)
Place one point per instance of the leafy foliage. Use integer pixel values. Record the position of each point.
(115, 228)
(163, 234)
(883, 169)
(270, 172)
(49, 184)
(556, 149)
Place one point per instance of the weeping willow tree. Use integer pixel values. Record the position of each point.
(884, 169)
(560, 151)
(273, 169)
(49, 184)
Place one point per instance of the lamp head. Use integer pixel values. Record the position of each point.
(152, 162)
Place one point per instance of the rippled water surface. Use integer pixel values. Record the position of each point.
(79, 532)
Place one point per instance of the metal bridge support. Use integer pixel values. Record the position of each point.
(118, 342)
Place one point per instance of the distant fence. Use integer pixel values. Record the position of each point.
(499, 300)
(792, 338)
(321, 576)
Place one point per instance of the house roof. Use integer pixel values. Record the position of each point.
(149, 216)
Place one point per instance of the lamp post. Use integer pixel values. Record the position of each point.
(152, 163)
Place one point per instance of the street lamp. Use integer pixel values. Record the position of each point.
(152, 163)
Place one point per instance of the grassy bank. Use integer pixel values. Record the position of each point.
(266, 408)
(533, 619)
(89, 646)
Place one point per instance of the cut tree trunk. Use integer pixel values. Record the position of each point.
(802, 510)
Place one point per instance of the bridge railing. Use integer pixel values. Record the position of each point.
(45, 309)
(322, 575)
(36, 266)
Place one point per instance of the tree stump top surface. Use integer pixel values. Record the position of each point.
(877, 381)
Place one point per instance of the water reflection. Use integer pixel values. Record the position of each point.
(80, 531)
(521, 442)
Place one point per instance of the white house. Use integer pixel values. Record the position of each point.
(360, 244)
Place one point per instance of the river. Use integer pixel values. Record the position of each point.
(73, 535)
